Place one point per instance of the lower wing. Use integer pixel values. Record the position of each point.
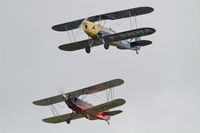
(78, 45)
(91, 111)
(108, 39)
(63, 118)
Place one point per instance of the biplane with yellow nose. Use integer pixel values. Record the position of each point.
(98, 34)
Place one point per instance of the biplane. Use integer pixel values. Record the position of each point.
(80, 108)
(99, 34)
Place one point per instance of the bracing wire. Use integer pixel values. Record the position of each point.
(135, 22)
(121, 21)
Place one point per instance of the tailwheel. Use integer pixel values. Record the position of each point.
(108, 122)
(106, 46)
(137, 52)
(88, 49)
(68, 121)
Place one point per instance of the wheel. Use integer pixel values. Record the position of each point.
(106, 46)
(87, 116)
(108, 122)
(87, 49)
(68, 121)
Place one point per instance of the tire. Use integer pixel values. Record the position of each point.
(87, 49)
(68, 121)
(106, 46)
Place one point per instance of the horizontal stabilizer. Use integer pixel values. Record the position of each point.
(141, 43)
(112, 113)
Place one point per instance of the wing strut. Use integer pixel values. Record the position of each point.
(110, 94)
(68, 34)
(130, 20)
(53, 110)
(72, 34)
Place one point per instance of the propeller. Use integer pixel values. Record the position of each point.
(83, 22)
(66, 97)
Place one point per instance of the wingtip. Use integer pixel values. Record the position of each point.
(120, 80)
(35, 103)
(45, 120)
(58, 28)
(53, 28)
(151, 9)
(60, 47)
(39, 103)
(122, 101)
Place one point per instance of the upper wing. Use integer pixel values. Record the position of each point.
(122, 14)
(87, 90)
(78, 45)
(129, 34)
(63, 118)
(110, 16)
(105, 106)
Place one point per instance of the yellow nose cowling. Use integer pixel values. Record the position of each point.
(90, 28)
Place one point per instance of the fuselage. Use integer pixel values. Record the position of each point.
(93, 30)
(79, 106)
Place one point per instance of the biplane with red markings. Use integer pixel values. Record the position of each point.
(82, 109)
(99, 34)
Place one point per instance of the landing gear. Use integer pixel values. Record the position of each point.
(88, 49)
(87, 116)
(68, 121)
(106, 45)
(137, 52)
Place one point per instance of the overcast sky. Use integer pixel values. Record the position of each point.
(161, 83)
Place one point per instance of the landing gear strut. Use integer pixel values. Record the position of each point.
(88, 47)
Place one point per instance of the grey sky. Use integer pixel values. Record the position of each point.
(161, 83)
